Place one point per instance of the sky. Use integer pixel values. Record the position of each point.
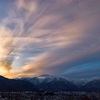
(56, 37)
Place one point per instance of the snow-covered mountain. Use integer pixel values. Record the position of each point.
(42, 78)
(49, 78)
(80, 82)
(93, 85)
(51, 83)
(54, 83)
(34, 80)
(57, 84)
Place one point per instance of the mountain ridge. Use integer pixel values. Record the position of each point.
(47, 83)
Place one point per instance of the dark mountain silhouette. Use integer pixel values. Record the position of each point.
(15, 85)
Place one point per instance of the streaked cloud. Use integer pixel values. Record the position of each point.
(49, 37)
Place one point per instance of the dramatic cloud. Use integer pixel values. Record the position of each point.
(59, 37)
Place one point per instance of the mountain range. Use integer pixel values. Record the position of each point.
(47, 83)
